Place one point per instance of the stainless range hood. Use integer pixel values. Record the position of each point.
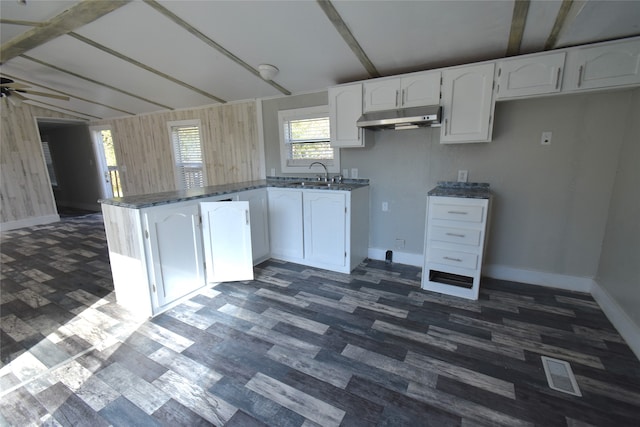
(405, 118)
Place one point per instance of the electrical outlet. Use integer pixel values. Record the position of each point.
(354, 172)
(385, 207)
(546, 138)
(463, 175)
(273, 171)
(345, 173)
(399, 244)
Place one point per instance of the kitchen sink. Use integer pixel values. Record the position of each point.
(314, 184)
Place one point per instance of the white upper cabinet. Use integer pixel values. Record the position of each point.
(413, 90)
(345, 108)
(467, 104)
(608, 65)
(537, 75)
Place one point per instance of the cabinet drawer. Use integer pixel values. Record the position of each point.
(458, 212)
(462, 236)
(455, 258)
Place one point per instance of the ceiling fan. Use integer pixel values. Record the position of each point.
(10, 88)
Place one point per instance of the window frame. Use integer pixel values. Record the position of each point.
(176, 172)
(333, 166)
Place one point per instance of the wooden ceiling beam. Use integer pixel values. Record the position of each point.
(212, 43)
(518, 22)
(348, 37)
(561, 20)
(75, 17)
(68, 94)
(144, 66)
(71, 73)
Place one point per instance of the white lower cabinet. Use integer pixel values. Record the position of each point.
(226, 229)
(325, 228)
(454, 245)
(175, 251)
(321, 228)
(285, 224)
(259, 214)
(161, 255)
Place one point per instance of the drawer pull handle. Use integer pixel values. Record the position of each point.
(452, 259)
(458, 212)
(455, 235)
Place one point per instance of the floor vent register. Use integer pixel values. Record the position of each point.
(560, 376)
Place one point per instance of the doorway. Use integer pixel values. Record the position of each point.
(106, 162)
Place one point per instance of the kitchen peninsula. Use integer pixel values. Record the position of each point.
(164, 247)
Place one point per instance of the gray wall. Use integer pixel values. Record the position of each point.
(619, 271)
(75, 165)
(551, 202)
(270, 110)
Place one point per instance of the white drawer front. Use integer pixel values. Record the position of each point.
(458, 212)
(455, 258)
(455, 235)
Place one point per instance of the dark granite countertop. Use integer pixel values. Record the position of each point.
(156, 199)
(471, 190)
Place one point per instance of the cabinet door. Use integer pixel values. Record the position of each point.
(615, 64)
(325, 228)
(381, 95)
(259, 223)
(530, 76)
(226, 230)
(176, 251)
(467, 98)
(285, 223)
(420, 89)
(345, 108)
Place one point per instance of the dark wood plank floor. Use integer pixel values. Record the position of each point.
(295, 347)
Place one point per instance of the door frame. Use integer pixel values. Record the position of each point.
(104, 177)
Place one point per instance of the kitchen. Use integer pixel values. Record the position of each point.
(561, 214)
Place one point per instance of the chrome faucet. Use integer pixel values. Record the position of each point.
(326, 172)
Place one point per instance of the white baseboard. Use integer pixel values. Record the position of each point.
(616, 315)
(407, 258)
(29, 222)
(540, 278)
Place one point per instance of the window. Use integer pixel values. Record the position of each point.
(187, 153)
(304, 139)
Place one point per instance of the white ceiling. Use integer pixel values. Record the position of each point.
(136, 59)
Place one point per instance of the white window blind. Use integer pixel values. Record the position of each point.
(187, 151)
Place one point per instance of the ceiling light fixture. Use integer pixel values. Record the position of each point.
(267, 71)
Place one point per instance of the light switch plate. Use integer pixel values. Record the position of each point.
(354, 172)
(463, 175)
(546, 138)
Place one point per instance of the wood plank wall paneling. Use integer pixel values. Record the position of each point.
(229, 137)
(25, 189)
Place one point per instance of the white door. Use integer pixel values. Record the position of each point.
(226, 230)
(101, 137)
(176, 251)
